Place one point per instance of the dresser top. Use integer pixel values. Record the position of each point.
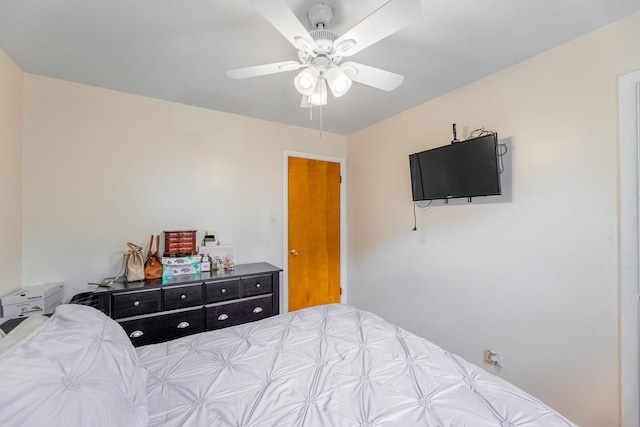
(239, 271)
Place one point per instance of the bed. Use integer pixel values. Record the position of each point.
(331, 365)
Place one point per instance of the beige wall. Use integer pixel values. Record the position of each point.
(103, 167)
(11, 85)
(535, 277)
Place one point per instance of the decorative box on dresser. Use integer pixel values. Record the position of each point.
(159, 310)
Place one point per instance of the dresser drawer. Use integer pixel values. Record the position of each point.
(128, 304)
(236, 313)
(221, 290)
(174, 297)
(164, 327)
(256, 285)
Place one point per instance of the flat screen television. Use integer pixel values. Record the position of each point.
(461, 169)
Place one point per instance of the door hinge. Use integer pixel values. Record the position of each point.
(340, 179)
(340, 291)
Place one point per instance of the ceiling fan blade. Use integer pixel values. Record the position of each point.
(280, 16)
(372, 76)
(262, 70)
(388, 19)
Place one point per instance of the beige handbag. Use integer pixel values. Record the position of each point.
(135, 263)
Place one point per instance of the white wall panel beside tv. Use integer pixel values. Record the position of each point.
(477, 170)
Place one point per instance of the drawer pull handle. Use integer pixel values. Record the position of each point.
(136, 334)
(136, 303)
(183, 296)
(257, 285)
(223, 317)
(183, 325)
(224, 291)
(257, 310)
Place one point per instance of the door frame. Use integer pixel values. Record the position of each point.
(284, 294)
(629, 128)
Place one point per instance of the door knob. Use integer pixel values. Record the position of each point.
(293, 252)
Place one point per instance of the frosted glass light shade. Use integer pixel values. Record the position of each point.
(319, 95)
(338, 81)
(307, 80)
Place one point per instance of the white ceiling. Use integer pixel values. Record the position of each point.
(178, 50)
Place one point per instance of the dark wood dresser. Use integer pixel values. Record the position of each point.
(164, 309)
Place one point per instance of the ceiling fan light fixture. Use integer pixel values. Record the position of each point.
(321, 51)
(307, 80)
(338, 81)
(319, 95)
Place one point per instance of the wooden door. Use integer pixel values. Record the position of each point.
(314, 232)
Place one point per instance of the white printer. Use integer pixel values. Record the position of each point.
(40, 299)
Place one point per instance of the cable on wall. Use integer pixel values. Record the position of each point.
(502, 148)
(415, 222)
(479, 132)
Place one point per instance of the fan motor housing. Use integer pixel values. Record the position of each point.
(324, 40)
(320, 14)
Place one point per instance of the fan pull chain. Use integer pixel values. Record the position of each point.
(311, 117)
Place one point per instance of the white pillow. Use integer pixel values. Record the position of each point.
(22, 330)
(77, 369)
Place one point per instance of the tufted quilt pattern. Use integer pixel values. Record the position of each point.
(77, 369)
(330, 366)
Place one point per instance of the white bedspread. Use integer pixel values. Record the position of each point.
(327, 366)
(77, 369)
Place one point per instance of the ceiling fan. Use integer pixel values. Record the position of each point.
(320, 52)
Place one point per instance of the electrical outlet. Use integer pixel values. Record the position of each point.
(498, 360)
(491, 357)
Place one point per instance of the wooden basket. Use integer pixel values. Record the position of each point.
(180, 243)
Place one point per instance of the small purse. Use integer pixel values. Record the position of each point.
(153, 265)
(135, 264)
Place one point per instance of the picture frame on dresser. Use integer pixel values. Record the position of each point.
(164, 309)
